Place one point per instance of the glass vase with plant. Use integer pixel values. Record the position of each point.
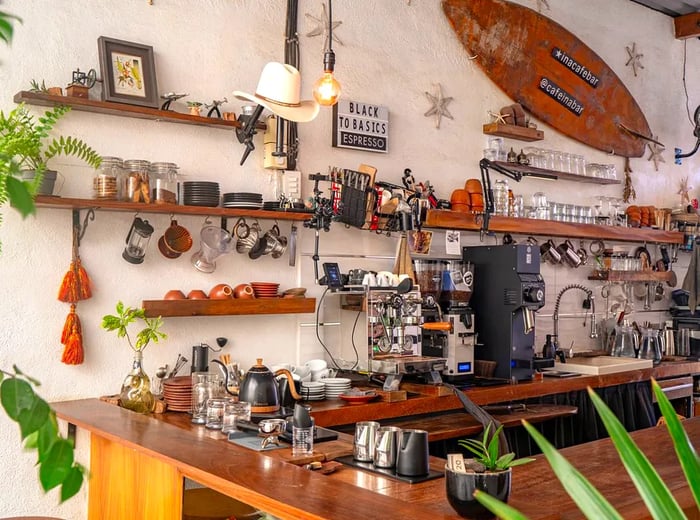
(136, 390)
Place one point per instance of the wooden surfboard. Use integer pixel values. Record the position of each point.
(552, 73)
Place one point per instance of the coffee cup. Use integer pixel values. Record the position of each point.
(369, 280)
(386, 279)
(318, 375)
(316, 364)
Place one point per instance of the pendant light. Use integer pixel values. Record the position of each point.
(327, 89)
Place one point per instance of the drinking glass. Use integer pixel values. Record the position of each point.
(235, 412)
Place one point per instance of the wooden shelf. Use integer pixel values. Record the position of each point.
(232, 307)
(632, 276)
(47, 201)
(531, 171)
(445, 219)
(124, 110)
(520, 133)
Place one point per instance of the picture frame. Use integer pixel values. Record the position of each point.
(128, 72)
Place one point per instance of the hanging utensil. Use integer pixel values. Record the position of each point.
(293, 246)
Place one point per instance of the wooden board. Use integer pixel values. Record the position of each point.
(549, 71)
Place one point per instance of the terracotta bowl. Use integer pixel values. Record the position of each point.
(243, 291)
(473, 186)
(221, 291)
(460, 196)
(197, 294)
(464, 208)
(175, 294)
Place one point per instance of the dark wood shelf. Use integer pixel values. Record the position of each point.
(521, 133)
(445, 219)
(47, 201)
(531, 171)
(231, 307)
(632, 276)
(124, 110)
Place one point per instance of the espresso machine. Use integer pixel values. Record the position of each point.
(448, 321)
(508, 289)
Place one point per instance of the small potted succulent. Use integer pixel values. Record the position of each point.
(136, 392)
(488, 471)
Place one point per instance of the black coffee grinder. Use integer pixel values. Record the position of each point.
(508, 289)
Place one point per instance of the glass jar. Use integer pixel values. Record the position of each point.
(136, 181)
(136, 390)
(163, 180)
(108, 178)
(500, 197)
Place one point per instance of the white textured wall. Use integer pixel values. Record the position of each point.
(392, 53)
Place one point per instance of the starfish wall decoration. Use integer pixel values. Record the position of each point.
(322, 26)
(684, 190)
(439, 108)
(498, 118)
(634, 60)
(655, 153)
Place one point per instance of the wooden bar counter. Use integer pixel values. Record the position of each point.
(138, 463)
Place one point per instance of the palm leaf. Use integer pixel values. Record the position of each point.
(681, 443)
(497, 507)
(588, 499)
(652, 489)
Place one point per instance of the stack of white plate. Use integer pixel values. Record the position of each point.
(313, 391)
(335, 386)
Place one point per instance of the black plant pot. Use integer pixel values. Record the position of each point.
(461, 486)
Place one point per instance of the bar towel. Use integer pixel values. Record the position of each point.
(691, 282)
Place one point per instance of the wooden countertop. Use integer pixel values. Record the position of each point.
(336, 413)
(267, 482)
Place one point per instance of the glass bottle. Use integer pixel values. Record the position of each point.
(163, 180)
(136, 390)
(136, 181)
(108, 178)
(500, 197)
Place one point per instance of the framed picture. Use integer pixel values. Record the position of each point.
(128, 72)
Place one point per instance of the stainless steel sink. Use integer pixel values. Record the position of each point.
(602, 365)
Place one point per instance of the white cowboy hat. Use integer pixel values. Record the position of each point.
(279, 90)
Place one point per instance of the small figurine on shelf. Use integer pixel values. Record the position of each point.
(195, 107)
(683, 191)
(214, 108)
(169, 97)
(81, 83)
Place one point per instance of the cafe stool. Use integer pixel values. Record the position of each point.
(207, 504)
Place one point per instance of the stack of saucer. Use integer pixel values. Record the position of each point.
(243, 200)
(177, 392)
(200, 193)
(335, 386)
(265, 289)
(312, 391)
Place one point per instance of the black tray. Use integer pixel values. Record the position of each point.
(320, 434)
(389, 472)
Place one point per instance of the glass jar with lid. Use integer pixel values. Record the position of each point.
(108, 179)
(163, 182)
(136, 181)
(500, 197)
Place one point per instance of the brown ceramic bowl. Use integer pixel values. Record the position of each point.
(460, 196)
(464, 208)
(473, 186)
(243, 291)
(221, 291)
(175, 294)
(197, 294)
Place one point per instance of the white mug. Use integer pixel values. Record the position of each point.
(369, 280)
(385, 279)
(301, 370)
(316, 364)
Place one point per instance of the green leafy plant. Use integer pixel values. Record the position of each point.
(35, 87)
(485, 451)
(654, 492)
(39, 430)
(6, 27)
(126, 316)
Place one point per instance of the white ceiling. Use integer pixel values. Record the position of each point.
(672, 7)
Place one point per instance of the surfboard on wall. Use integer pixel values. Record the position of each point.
(553, 74)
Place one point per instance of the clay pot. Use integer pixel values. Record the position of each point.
(221, 291)
(243, 291)
(175, 294)
(197, 294)
(473, 186)
(460, 196)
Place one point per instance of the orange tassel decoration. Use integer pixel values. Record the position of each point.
(84, 290)
(68, 292)
(71, 321)
(73, 353)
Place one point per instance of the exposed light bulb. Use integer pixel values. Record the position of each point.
(326, 89)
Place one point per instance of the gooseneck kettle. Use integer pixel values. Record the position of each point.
(262, 390)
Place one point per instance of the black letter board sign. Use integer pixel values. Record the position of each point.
(361, 126)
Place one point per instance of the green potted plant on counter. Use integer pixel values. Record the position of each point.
(654, 492)
(489, 471)
(136, 390)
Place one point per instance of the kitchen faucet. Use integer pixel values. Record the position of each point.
(589, 303)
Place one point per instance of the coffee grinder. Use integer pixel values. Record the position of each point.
(448, 325)
(508, 289)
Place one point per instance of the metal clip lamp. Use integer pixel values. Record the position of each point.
(696, 133)
(327, 89)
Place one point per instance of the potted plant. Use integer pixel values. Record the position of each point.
(25, 141)
(489, 471)
(136, 390)
(655, 493)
